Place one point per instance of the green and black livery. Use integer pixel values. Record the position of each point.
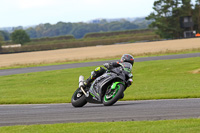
(106, 89)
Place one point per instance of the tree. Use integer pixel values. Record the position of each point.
(5, 35)
(163, 16)
(1, 40)
(1, 37)
(78, 30)
(167, 15)
(20, 36)
(186, 8)
(31, 32)
(196, 16)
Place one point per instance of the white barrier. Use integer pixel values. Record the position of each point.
(12, 46)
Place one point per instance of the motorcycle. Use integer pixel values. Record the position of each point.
(107, 88)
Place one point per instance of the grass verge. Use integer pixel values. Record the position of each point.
(164, 126)
(162, 79)
(169, 52)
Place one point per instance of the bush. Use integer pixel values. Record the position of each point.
(20, 37)
(116, 33)
(68, 37)
(0, 47)
(79, 43)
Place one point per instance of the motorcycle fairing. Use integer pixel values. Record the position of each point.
(99, 86)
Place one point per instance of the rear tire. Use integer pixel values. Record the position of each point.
(78, 98)
(112, 97)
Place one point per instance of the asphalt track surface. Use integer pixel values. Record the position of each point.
(121, 111)
(77, 65)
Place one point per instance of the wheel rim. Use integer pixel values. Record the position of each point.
(111, 93)
(78, 95)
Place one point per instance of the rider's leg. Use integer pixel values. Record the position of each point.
(94, 74)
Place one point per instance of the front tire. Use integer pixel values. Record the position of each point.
(112, 96)
(78, 98)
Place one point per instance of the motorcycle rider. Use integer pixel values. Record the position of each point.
(126, 58)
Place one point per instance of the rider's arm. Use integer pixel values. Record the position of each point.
(114, 64)
(111, 65)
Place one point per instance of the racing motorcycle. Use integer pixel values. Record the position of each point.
(107, 88)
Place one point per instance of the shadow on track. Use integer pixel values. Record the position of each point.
(115, 105)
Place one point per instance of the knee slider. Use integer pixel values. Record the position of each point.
(97, 69)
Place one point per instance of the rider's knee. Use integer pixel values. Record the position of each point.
(97, 72)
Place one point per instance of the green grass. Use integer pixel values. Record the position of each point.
(165, 79)
(102, 59)
(152, 80)
(164, 126)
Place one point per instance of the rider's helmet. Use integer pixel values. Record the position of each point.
(127, 58)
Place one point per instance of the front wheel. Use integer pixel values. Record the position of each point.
(112, 95)
(78, 98)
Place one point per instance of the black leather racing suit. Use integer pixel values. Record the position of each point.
(100, 71)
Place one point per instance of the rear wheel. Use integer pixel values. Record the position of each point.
(113, 95)
(78, 98)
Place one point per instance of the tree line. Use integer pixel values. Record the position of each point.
(167, 16)
(78, 30)
(165, 19)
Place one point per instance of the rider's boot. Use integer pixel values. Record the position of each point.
(87, 82)
(94, 74)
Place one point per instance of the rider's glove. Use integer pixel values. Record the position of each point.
(106, 65)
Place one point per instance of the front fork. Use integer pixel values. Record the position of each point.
(81, 83)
